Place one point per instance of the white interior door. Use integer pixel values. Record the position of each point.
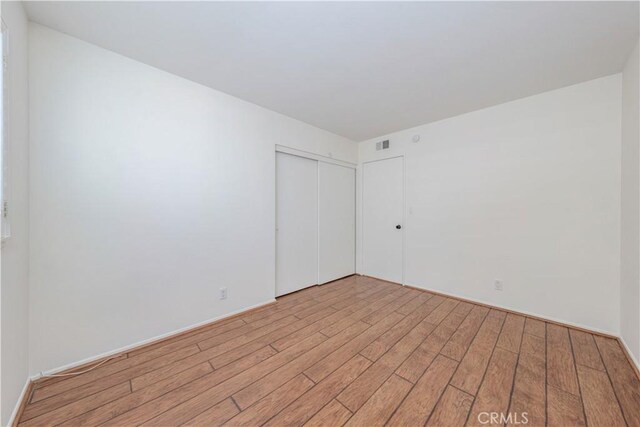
(336, 230)
(296, 223)
(382, 216)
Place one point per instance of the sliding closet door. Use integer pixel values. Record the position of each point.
(296, 223)
(337, 221)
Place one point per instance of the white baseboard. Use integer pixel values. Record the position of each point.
(144, 342)
(21, 398)
(526, 313)
(630, 353)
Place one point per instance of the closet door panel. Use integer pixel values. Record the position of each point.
(296, 223)
(337, 221)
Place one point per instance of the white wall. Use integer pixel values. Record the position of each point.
(527, 192)
(148, 193)
(630, 232)
(15, 251)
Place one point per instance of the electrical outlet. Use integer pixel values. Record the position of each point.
(498, 285)
(223, 293)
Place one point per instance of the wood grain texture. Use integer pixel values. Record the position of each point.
(273, 403)
(80, 406)
(330, 363)
(356, 351)
(599, 400)
(511, 335)
(416, 408)
(415, 365)
(472, 368)
(334, 414)
(185, 402)
(414, 303)
(585, 350)
(561, 371)
(621, 373)
(377, 410)
(260, 388)
(311, 402)
(452, 410)
(131, 401)
(107, 376)
(495, 393)
(216, 415)
(535, 327)
(460, 341)
(354, 396)
(529, 387)
(563, 408)
(380, 346)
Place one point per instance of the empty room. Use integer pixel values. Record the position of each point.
(366, 213)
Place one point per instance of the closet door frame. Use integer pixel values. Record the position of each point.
(319, 158)
(313, 156)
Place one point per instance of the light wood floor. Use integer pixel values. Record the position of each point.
(359, 352)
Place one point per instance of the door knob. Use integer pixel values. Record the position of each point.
(398, 226)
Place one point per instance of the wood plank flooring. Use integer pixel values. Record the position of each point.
(356, 352)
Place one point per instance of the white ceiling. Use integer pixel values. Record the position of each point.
(363, 69)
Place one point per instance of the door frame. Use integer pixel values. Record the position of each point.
(313, 156)
(320, 158)
(404, 214)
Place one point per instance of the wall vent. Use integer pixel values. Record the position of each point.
(382, 145)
